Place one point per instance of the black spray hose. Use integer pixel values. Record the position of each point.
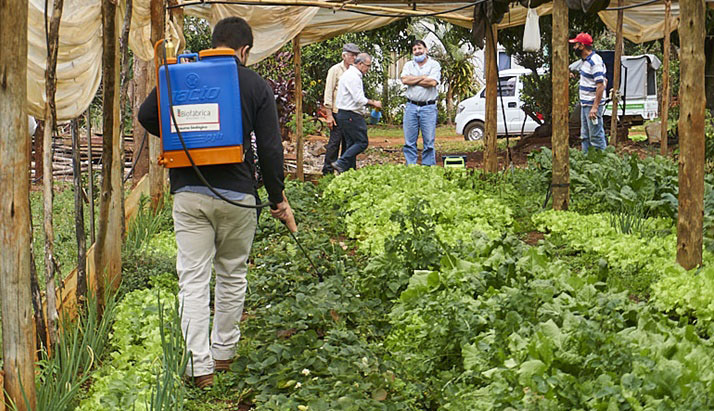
(207, 184)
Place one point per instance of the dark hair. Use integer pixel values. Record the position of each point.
(588, 47)
(419, 42)
(233, 32)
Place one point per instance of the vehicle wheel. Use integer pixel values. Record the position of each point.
(474, 131)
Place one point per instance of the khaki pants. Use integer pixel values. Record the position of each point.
(209, 230)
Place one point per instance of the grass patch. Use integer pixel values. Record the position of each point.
(398, 132)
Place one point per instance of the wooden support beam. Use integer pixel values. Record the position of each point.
(490, 156)
(156, 172)
(109, 237)
(664, 111)
(47, 176)
(90, 172)
(297, 55)
(18, 340)
(79, 216)
(561, 102)
(692, 31)
(616, 74)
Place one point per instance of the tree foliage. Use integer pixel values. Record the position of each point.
(538, 90)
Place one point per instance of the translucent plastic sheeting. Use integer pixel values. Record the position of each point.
(80, 40)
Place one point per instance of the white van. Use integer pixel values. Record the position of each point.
(471, 113)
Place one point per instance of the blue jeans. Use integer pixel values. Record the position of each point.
(591, 134)
(416, 118)
(354, 129)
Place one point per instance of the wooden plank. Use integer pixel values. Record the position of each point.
(691, 134)
(490, 162)
(664, 111)
(108, 255)
(561, 160)
(297, 55)
(616, 74)
(18, 339)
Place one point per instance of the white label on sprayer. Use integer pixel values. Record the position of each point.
(196, 117)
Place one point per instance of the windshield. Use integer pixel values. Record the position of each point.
(507, 87)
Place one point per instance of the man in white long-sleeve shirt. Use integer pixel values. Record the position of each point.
(350, 101)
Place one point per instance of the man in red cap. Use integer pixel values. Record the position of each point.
(592, 90)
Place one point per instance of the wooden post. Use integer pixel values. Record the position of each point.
(297, 54)
(90, 171)
(691, 134)
(616, 75)
(664, 111)
(18, 342)
(108, 247)
(79, 216)
(490, 156)
(38, 155)
(143, 84)
(561, 101)
(156, 172)
(47, 177)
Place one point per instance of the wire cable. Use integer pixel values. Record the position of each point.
(338, 6)
(631, 6)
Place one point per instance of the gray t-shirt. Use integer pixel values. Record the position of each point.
(431, 69)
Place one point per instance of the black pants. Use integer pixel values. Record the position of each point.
(354, 129)
(332, 151)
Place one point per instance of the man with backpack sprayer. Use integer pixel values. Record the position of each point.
(209, 226)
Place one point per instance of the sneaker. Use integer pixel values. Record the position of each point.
(337, 168)
(222, 365)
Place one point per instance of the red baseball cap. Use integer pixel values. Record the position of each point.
(583, 38)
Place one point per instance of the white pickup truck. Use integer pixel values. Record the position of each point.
(471, 113)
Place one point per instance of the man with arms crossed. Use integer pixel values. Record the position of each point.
(421, 76)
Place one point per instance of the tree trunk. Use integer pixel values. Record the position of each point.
(17, 338)
(81, 291)
(691, 134)
(450, 106)
(561, 101)
(47, 177)
(490, 157)
(108, 246)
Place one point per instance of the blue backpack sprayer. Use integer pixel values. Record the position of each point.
(200, 117)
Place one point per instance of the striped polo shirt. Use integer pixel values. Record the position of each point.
(592, 72)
